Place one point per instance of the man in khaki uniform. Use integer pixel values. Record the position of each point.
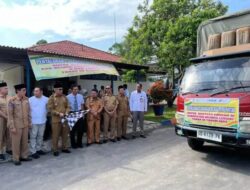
(101, 93)
(19, 122)
(122, 114)
(110, 106)
(59, 106)
(95, 106)
(4, 132)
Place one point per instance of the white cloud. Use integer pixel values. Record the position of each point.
(69, 17)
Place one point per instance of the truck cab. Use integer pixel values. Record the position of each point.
(214, 78)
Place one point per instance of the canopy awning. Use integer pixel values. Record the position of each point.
(13, 55)
(46, 66)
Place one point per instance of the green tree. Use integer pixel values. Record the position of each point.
(131, 75)
(42, 41)
(179, 42)
(167, 30)
(117, 49)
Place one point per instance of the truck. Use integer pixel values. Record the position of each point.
(213, 103)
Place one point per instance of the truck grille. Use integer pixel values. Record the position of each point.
(222, 129)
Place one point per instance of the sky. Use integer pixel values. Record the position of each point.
(90, 22)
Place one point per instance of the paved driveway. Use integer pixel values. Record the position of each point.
(161, 161)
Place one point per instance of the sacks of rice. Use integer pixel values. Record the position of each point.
(214, 41)
(228, 39)
(243, 36)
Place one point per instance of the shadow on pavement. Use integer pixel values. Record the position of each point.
(58, 172)
(237, 160)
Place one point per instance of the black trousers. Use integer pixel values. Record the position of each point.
(76, 133)
(48, 131)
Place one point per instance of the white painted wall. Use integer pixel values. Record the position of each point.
(88, 84)
(12, 74)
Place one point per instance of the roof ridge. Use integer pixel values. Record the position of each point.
(92, 48)
(67, 48)
(36, 45)
(39, 45)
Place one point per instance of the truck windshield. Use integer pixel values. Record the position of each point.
(216, 76)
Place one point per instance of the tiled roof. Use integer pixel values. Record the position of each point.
(69, 48)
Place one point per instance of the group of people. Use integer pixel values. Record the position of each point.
(23, 119)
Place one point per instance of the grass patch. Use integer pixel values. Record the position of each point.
(169, 113)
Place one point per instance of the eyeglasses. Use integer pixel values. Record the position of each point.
(60, 89)
(107, 88)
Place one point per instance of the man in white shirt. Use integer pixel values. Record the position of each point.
(38, 109)
(138, 106)
(76, 102)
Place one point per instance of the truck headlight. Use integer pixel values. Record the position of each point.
(245, 125)
(179, 118)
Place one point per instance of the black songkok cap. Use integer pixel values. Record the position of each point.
(19, 86)
(58, 85)
(94, 90)
(119, 87)
(3, 84)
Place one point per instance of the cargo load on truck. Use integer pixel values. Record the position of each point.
(225, 34)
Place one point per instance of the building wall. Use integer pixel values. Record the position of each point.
(12, 75)
(88, 84)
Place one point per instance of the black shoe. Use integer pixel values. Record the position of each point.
(80, 146)
(118, 139)
(2, 157)
(143, 136)
(88, 144)
(98, 143)
(40, 152)
(35, 156)
(124, 137)
(26, 159)
(56, 153)
(66, 151)
(105, 141)
(133, 137)
(113, 140)
(17, 163)
(74, 147)
(9, 152)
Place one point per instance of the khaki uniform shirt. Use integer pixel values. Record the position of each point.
(110, 102)
(123, 106)
(19, 113)
(94, 104)
(57, 105)
(3, 106)
(101, 93)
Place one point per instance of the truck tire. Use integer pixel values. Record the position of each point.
(195, 144)
(170, 103)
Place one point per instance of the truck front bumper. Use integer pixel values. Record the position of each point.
(234, 139)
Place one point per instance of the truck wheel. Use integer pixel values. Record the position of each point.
(195, 144)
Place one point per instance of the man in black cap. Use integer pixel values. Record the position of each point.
(59, 106)
(4, 133)
(19, 124)
(122, 113)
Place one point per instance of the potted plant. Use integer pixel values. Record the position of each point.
(158, 93)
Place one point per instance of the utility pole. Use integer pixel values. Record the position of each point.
(115, 27)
